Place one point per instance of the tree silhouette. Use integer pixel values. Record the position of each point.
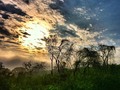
(107, 53)
(60, 52)
(51, 43)
(28, 66)
(1, 65)
(38, 66)
(18, 71)
(4, 71)
(86, 58)
(34, 67)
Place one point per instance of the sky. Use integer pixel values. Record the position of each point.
(98, 15)
(87, 22)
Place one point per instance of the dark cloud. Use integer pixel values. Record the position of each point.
(11, 9)
(19, 19)
(27, 1)
(1, 23)
(4, 31)
(97, 15)
(63, 31)
(12, 42)
(5, 16)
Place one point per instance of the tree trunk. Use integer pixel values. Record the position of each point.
(52, 65)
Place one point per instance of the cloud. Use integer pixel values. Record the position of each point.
(100, 14)
(11, 9)
(12, 62)
(13, 58)
(63, 31)
(83, 21)
(4, 31)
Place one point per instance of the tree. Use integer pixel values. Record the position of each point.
(51, 43)
(1, 65)
(106, 53)
(34, 67)
(18, 71)
(39, 66)
(86, 57)
(28, 66)
(59, 52)
(4, 71)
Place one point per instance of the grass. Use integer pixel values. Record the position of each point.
(93, 79)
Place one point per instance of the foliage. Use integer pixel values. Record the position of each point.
(94, 79)
(88, 72)
(60, 52)
(107, 53)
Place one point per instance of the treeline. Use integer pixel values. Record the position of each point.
(95, 78)
(64, 55)
(28, 68)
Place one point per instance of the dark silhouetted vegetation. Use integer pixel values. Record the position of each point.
(94, 79)
(87, 68)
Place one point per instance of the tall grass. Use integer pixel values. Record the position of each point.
(93, 79)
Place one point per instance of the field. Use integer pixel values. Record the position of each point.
(93, 79)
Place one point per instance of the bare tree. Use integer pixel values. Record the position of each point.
(107, 53)
(51, 43)
(59, 52)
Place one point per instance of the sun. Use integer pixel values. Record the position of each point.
(33, 33)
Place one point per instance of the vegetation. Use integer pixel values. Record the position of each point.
(71, 69)
(94, 79)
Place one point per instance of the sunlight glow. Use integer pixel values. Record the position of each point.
(33, 32)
